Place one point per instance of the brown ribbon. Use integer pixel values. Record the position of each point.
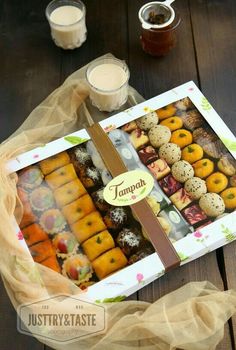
(142, 210)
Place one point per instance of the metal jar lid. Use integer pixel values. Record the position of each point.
(160, 11)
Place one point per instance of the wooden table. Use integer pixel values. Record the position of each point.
(31, 67)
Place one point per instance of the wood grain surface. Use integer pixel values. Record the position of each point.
(31, 67)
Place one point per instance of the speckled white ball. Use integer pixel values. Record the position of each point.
(182, 171)
(196, 187)
(212, 204)
(147, 121)
(170, 152)
(159, 135)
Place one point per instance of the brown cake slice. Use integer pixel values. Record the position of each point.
(28, 216)
(215, 149)
(52, 263)
(34, 234)
(192, 119)
(204, 136)
(42, 251)
(210, 142)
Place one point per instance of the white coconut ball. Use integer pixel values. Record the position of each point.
(170, 152)
(182, 171)
(147, 121)
(212, 204)
(196, 187)
(159, 135)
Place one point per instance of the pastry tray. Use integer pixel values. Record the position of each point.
(193, 229)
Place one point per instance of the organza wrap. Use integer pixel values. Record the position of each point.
(191, 317)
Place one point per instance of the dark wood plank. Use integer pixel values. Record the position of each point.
(24, 71)
(28, 76)
(107, 33)
(152, 76)
(230, 278)
(30, 67)
(216, 53)
(9, 336)
(30, 62)
(216, 56)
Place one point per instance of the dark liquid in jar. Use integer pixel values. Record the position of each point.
(158, 42)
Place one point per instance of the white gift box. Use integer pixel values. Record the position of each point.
(193, 245)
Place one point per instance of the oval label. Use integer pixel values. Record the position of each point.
(128, 188)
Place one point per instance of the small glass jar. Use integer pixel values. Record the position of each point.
(158, 42)
(108, 82)
(67, 21)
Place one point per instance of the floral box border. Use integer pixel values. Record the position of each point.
(194, 245)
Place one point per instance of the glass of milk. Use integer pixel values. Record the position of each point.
(108, 81)
(67, 21)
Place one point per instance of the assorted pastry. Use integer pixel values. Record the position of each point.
(70, 228)
(67, 224)
(189, 162)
